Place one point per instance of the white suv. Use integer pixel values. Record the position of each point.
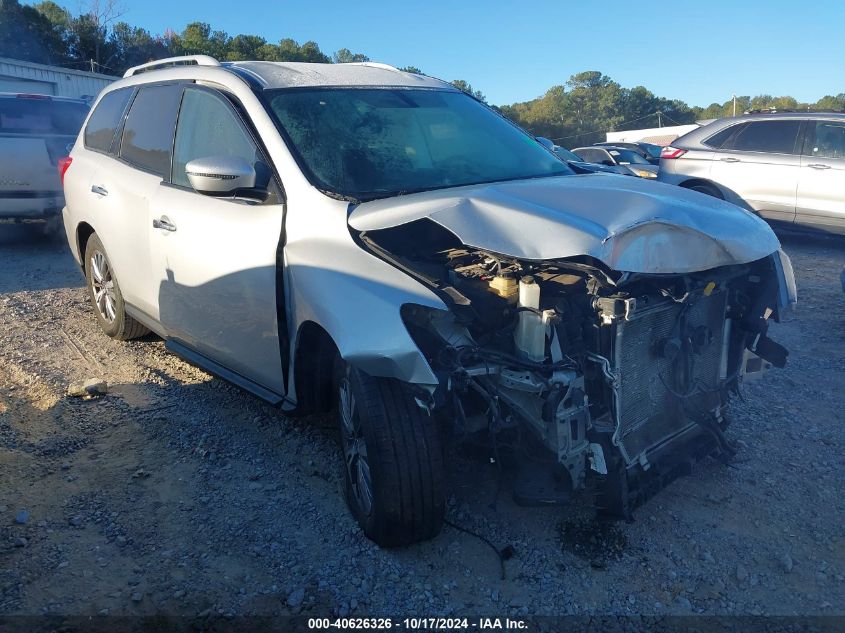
(354, 238)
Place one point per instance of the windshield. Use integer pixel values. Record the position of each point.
(22, 115)
(374, 143)
(627, 157)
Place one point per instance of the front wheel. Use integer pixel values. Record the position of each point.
(393, 460)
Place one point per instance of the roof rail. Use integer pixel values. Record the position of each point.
(170, 62)
(791, 110)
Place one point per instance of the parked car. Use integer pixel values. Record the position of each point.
(575, 161)
(36, 131)
(357, 239)
(788, 167)
(618, 157)
(649, 151)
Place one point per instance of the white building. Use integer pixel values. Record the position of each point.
(658, 135)
(21, 76)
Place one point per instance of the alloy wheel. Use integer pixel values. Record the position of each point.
(102, 286)
(355, 449)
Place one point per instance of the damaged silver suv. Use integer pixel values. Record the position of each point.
(354, 238)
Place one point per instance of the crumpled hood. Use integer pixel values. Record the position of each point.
(629, 224)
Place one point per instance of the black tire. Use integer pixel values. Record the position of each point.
(707, 189)
(110, 309)
(403, 455)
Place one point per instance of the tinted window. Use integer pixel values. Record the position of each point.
(21, 115)
(777, 137)
(372, 143)
(718, 139)
(627, 157)
(827, 140)
(208, 127)
(148, 133)
(592, 155)
(651, 149)
(99, 133)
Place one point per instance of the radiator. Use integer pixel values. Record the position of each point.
(648, 414)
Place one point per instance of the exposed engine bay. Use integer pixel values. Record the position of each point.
(621, 379)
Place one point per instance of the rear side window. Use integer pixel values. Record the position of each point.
(150, 124)
(826, 140)
(99, 133)
(27, 115)
(775, 137)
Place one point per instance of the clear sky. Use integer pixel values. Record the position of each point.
(699, 52)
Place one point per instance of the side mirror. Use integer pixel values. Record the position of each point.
(220, 175)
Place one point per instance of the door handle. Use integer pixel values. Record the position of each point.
(164, 224)
(100, 191)
(818, 166)
(729, 160)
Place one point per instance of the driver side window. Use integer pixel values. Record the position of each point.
(208, 127)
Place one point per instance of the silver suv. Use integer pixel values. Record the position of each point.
(786, 166)
(357, 239)
(35, 134)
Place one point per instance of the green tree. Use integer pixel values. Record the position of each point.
(345, 56)
(460, 84)
(28, 34)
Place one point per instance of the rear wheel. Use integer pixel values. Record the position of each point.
(710, 190)
(105, 295)
(393, 461)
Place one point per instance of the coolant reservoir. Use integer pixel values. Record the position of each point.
(530, 334)
(529, 293)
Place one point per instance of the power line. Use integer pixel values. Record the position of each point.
(563, 138)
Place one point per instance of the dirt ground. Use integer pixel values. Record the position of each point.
(179, 494)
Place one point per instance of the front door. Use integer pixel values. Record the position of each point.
(216, 258)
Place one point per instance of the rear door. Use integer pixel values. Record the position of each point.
(124, 185)
(216, 258)
(760, 164)
(35, 131)
(821, 185)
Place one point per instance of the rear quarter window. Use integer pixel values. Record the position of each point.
(99, 133)
(719, 138)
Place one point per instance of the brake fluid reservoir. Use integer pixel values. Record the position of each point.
(530, 334)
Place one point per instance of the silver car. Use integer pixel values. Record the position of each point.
(35, 134)
(788, 167)
(357, 239)
(619, 159)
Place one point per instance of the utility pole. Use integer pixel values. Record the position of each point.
(734, 105)
(92, 65)
(659, 120)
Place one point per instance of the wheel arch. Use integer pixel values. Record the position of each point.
(703, 182)
(84, 231)
(313, 369)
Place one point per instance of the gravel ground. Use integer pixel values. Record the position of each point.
(179, 494)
